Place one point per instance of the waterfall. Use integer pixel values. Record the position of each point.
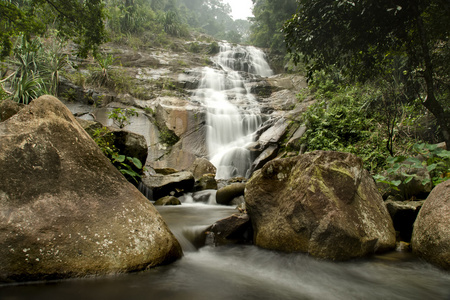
(233, 113)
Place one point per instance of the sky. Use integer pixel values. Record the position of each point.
(242, 9)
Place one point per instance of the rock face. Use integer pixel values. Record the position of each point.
(431, 234)
(323, 203)
(131, 144)
(65, 211)
(404, 214)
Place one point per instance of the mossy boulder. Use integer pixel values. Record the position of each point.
(322, 203)
(167, 200)
(65, 210)
(226, 194)
(431, 233)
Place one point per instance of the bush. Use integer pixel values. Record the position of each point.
(130, 167)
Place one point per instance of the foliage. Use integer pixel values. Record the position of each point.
(121, 117)
(81, 21)
(36, 67)
(130, 167)
(434, 159)
(25, 82)
(101, 75)
(365, 39)
(172, 23)
(354, 118)
(270, 16)
(337, 123)
(14, 22)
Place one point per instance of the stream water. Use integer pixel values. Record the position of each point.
(248, 272)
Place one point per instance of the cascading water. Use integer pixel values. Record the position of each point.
(233, 114)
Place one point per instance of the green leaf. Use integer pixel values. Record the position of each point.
(136, 162)
(444, 154)
(120, 158)
(396, 182)
(431, 167)
(129, 172)
(407, 180)
(426, 181)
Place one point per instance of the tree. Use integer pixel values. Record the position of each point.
(81, 21)
(270, 16)
(365, 38)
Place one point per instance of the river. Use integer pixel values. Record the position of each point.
(248, 272)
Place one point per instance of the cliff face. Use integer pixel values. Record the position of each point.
(162, 85)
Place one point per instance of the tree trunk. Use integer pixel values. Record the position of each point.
(431, 102)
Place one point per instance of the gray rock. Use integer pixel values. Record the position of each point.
(235, 229)
(202, 166)
(169, 185)
(226, 194)
(268, 154)
(167, 200)
(131, 144)
(322, 203)
(404, 214)
(431, 234)
(206, 182)
(65, 210)
(274, 134)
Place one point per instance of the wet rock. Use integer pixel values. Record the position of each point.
(294, 140)
(322, 203)
(167, 200)
(274, 134)
(235, 229)
(169, 185)
(431, 234)
(165, 171)
(65, 210)
(206, 196)
(268, 154)
(227, 193)
(206, 182)
(131, 144)
(9, 108)
(403, 214)
(202, 166)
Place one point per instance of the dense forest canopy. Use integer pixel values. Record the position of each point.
(406, 43)
(84, 21)
(269, 18)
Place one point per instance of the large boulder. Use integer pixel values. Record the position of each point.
(431, 233)
(65, 210)
(323, 203)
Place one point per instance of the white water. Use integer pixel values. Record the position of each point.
(248, 273)
(233, 114)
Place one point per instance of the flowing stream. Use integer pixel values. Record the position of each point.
(233, 114)
(248, 272)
